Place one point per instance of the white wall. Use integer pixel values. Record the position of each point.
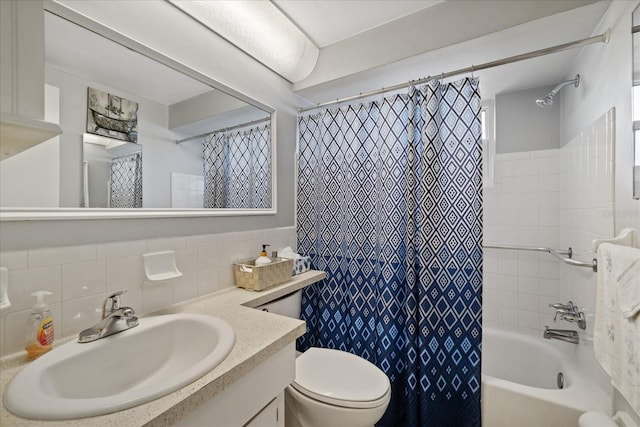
(147, 23)
(523, 126)
(557, 199)
(202, 107)
(32, 179)
(22, 65)
(81, 276)
(522, 208)
(80, 261)
(586, 201)
(432, 27)
(606, 73)
(98, 171)
(160, 154)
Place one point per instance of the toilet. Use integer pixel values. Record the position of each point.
(331, 387)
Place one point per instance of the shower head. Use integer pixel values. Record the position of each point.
(547, 101)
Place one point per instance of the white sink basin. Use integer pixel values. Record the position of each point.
(159, 356)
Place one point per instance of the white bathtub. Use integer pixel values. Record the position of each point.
(519, 382)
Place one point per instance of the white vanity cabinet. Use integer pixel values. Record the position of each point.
(271, 415)
(255, 400)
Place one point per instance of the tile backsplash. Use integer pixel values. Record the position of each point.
(80, 277)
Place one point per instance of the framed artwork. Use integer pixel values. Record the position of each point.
(111, 116)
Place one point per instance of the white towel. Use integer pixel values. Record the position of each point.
(629, 284)
(603, 329)
(617, 338)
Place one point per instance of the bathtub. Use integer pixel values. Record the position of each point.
(520, 382)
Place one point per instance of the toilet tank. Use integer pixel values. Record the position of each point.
(288, 305)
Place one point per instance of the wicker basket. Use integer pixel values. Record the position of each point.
(258, 278)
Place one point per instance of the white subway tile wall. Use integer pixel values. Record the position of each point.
(587, 206)
(522, 208)
(553, 198)
(80, 277)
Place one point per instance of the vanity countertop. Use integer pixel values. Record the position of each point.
(259, 335)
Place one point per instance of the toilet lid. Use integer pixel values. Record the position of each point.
(340, 378)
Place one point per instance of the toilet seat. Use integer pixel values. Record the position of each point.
(341, 379)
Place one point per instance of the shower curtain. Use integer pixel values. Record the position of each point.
(125, 182)
(237, 169)
(390, 206)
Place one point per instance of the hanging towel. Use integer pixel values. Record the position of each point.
(617, 335)
(629, 286)
(603, 330)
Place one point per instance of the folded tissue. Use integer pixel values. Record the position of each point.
(300, 263)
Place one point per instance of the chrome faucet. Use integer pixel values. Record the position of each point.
(570, 313)
(561, 334)
(114, 319)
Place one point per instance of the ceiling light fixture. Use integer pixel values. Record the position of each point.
(259, 29)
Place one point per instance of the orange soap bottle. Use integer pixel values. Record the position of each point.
(39, 328)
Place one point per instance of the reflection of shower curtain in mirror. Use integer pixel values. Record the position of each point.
(237, 171)
(125, 180)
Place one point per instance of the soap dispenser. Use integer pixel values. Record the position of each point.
(263, 259)
(39, 328)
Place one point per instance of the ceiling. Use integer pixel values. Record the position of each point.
(366, 44)
(328, 22)
(440, 37)
(74, 50)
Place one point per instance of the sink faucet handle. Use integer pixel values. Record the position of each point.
(112, 302)
(115, 299)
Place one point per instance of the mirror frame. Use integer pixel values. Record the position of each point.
(635, 141)
(31, 214)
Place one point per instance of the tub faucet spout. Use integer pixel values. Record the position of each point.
(561, 334)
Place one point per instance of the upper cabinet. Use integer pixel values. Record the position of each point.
(22, 118)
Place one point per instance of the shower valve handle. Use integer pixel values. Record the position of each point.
(569, 307)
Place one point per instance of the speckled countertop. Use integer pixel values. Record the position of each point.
(259, 335)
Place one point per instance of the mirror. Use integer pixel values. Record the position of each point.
(112, 175)
(140, 131)
(635, 32)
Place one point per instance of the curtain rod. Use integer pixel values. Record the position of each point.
(255, 122)
(602, 38)
(127, 155)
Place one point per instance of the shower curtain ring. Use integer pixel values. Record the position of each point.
(472, 70)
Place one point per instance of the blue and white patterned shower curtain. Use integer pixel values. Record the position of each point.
(390, 206)
(125, 182)
(237, 169)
